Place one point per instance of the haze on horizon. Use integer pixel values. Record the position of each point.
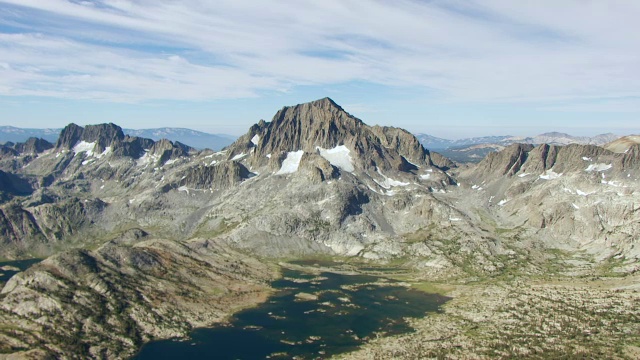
(447, 68)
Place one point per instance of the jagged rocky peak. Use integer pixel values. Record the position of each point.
(521, 159)
(33, 146)
(7, 151)
(101, 136)
(167, 150)
(506, 162)
(69, 136)
(325, 128)
(320, 123)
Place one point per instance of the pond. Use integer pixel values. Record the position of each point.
(10, 268)
(311, 315)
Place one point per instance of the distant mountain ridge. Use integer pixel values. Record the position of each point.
(15, 134)
(193, 138)
(476, 148)
(551, 138)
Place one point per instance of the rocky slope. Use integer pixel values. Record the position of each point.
(576, 197)
(623, 144)
(106, 302)
(49, 197)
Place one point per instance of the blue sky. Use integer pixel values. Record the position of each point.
(447, 68)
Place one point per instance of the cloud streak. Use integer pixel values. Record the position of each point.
(489, 51)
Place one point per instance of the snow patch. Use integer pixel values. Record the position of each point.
(255, 139)
(582, 193)
(84, 146)
(291, 163)
(184, 188)
(239, 156)
(502, 202)
(523, 175)
(106, 151)
(338, 156)
(586, 158)
(550, 175)
(147, 158)
(387, 183)
(454, 219)
(613, 183)
(425, 176)
(598, 167)
(575, 206)
(169, 162)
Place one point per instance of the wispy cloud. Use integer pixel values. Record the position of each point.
(494, 50)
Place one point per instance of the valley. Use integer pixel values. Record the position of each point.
(534, 247)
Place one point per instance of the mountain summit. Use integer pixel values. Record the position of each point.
(324, 128)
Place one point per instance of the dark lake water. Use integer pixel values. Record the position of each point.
(348, 310)
(6, 271)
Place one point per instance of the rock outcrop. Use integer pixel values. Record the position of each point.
(216, 177)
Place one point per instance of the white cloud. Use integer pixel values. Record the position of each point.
(495, 50)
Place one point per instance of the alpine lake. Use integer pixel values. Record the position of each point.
(318, 309)
(10, 268)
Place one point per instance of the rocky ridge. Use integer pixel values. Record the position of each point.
(569, 197)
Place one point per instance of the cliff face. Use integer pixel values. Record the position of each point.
(222, 176)
(525, 158)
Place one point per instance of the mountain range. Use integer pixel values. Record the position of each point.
(462, 150)
(145, 239)
(551, 138)
(193, 138)
(476, 148)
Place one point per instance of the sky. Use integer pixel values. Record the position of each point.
(450, 68)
